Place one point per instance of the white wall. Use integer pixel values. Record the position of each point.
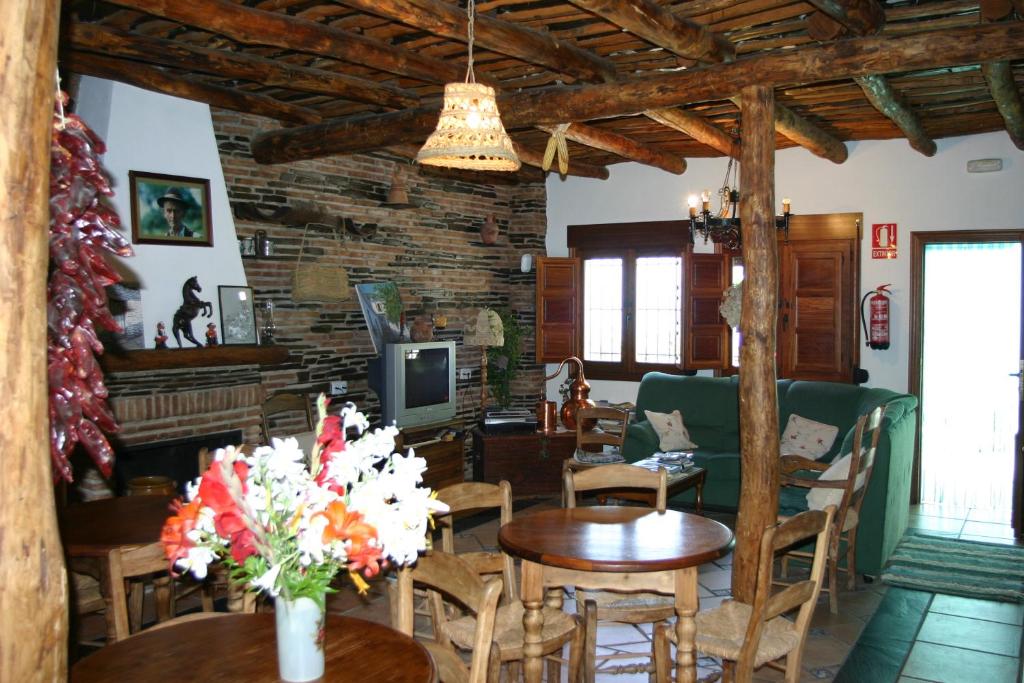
(146, 131)
(884, 179)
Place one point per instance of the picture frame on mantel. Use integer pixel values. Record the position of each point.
(170, 210)
(237, 315)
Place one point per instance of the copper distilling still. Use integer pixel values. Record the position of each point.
(579, 395)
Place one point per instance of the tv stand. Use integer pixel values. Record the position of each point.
(444, 458)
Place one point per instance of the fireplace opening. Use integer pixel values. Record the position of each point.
(175, 458)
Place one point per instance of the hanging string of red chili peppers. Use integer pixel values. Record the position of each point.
(81, 228)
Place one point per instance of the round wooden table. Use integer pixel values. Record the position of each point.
(243, 647)
(614, 548)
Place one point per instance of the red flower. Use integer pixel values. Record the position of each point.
(174, 534)
(243, 544)
(214, 490)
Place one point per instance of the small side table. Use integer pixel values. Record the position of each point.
(677, 483)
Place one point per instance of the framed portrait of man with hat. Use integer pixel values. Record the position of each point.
(169, 209)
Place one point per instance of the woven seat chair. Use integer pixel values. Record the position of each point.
(848, 496)
(630, 608)
(747, 637)
(444, 574)
(560, 628)
(285, 403)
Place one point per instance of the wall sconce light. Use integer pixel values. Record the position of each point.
(526, 263)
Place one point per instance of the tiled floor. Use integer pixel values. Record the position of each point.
(908, 636)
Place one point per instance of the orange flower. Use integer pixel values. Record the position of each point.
(350, 527)
(174, 535)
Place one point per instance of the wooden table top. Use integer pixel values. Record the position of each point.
(243, 647)
(616, 539)
(99, 526)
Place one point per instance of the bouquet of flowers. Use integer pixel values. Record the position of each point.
(287, 528)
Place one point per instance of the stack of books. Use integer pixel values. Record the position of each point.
(676, 462)
(608, 456)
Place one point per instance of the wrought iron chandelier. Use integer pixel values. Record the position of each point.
(724, 228)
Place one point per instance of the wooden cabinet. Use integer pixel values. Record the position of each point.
(444, 458)
(531, 462)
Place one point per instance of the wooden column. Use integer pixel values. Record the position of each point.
(759, 406)
(33, 586)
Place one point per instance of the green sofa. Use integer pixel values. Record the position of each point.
(710, 409)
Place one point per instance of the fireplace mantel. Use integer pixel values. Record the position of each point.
(169, 359)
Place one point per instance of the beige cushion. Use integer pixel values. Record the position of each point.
(819, 499)
(720, 633)
(670, 430)
(508, 628)
(807, 438)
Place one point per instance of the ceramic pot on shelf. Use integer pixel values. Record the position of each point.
(421, 330)
(489, 230)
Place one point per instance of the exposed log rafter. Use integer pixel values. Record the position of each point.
(806, 134)
(160, 80)
(113, 42)
(847, 59)
(698, 128)
(888, 101)
(623, 146)
(999, 76)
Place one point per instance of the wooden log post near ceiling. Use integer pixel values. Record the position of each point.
(999, 75)
(33, 584)
(759, 404)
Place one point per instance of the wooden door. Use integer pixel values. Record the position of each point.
(557, 308)
(705, 332)
(816, 310)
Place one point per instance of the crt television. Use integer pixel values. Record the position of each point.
(415, 382)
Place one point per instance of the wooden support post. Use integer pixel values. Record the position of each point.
(33, 585)
(759, 406)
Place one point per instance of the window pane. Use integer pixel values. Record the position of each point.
(737, 339)
(658, 293)
(602, 309)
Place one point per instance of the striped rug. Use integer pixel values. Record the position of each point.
(941, 565)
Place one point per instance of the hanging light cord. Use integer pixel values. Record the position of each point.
(471, 14)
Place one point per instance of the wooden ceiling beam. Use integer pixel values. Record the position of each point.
(163, 81)
(623, 146)
(576, 168)
(999, 76)
(655, 24)
(698, 128)
(846, 59)
(808, 135)
(113, 42)
(886, 100)
(508, 38)
(858, 17)
(260, 27)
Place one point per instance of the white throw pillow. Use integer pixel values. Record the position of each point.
(819, 499)
(670, 430)
(807, 438)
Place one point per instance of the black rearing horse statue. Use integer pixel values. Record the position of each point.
(191, 306)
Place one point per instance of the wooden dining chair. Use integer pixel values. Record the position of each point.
(629, 608)
(747, 637)
(279, 404)
(846, 492)
(559, 628)
(610, 431)
(446, 575)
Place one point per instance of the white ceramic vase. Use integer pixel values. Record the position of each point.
(300, 639)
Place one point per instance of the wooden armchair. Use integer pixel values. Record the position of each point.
(748, 636)
(630, 608)
(444, 573)
(559, 628)
(286, 403)
(612, 432)
(843, 488)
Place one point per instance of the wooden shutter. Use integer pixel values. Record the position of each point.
(817, 313)
(705, 332)
(558, 287)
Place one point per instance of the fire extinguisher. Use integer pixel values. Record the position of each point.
(877, 335)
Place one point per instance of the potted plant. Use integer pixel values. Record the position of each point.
(503, 361)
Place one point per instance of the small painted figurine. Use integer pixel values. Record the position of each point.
(211, 334)
(160, 340)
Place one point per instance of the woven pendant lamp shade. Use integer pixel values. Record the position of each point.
(469, 133)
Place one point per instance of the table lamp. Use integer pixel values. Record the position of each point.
(489, 331)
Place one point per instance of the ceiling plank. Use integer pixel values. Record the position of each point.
(514, 40)
(123, 44)
(698, 128)
(650, 21)
(259, 27)
(845, 59)
(623, 146)
(999, 76)
(859, 17)
(888, 101)
(163, 81)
